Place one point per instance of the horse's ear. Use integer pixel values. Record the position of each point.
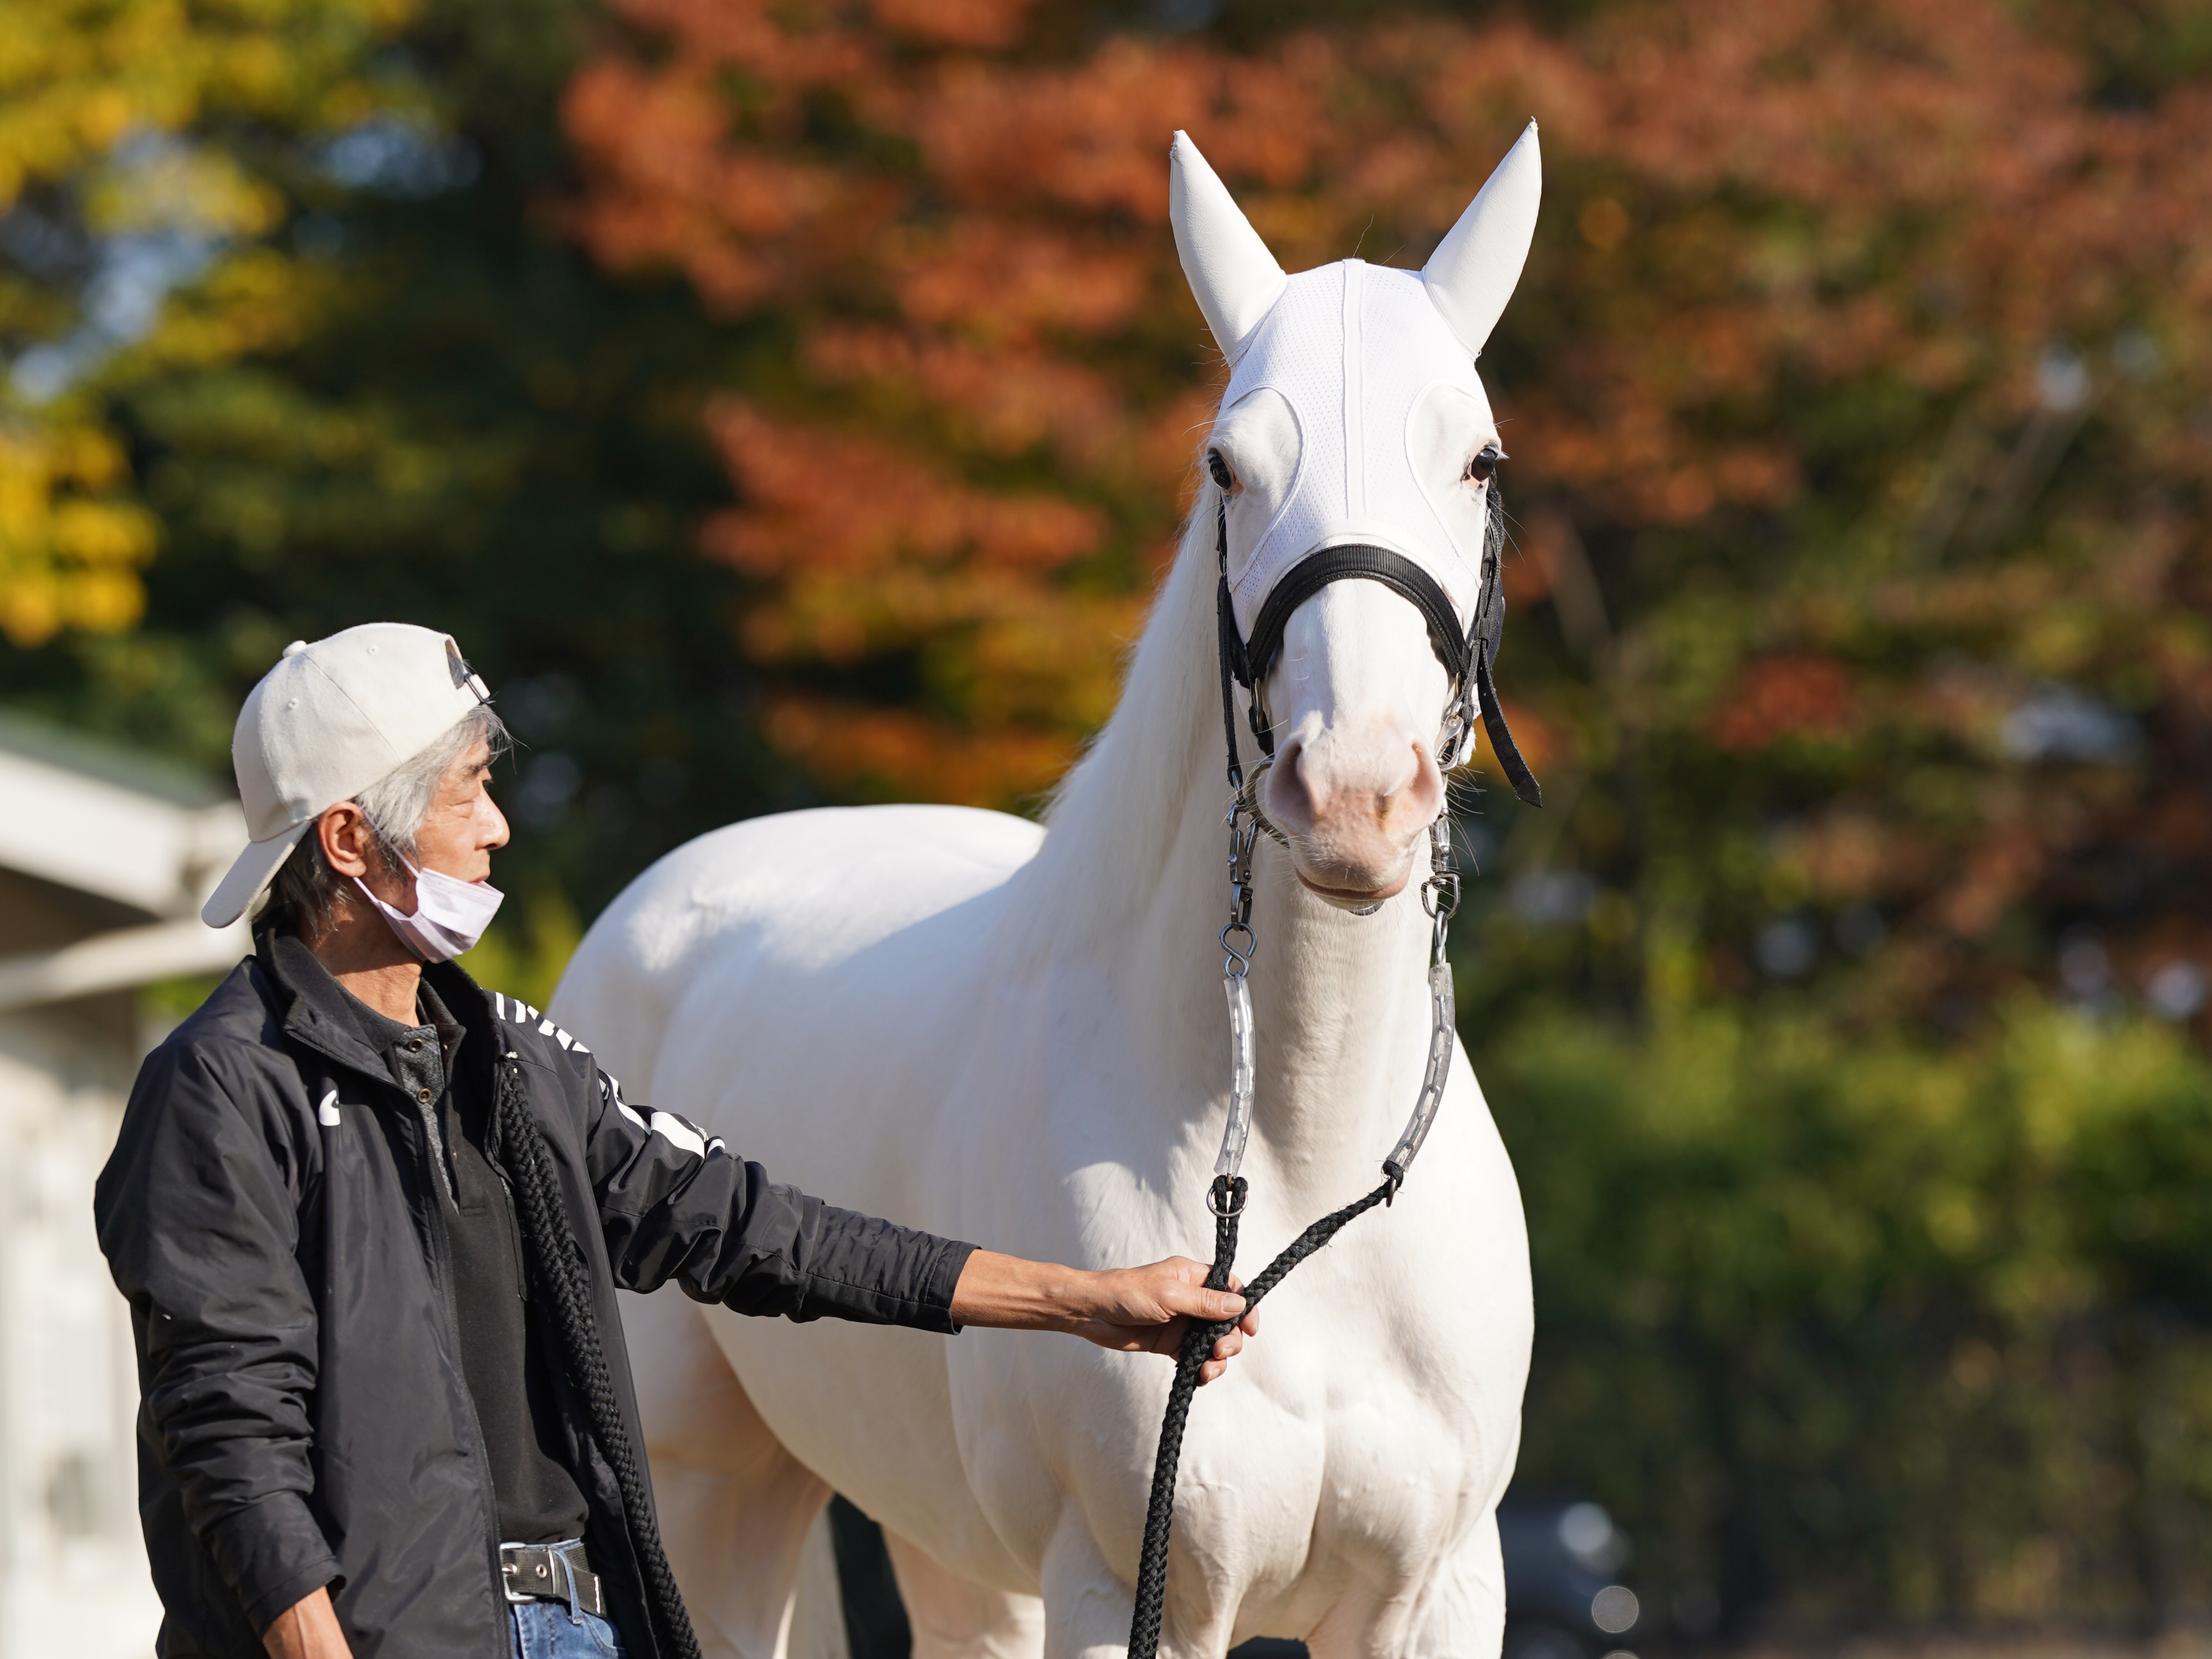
(1472, 274)
(1232, 275)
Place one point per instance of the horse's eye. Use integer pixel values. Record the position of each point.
(1483, 467)
(1220, 469)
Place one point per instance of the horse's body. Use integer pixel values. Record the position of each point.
(953, 1019)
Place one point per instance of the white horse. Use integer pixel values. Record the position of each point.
(1017, 1035)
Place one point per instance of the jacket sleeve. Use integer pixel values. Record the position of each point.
(674, 1204)
(199, 1224)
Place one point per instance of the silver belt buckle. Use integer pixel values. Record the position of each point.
(533, 1572)
(527, 1571)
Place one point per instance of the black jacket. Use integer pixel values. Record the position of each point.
(270, 1212)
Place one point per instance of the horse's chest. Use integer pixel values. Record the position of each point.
(1341, 1455)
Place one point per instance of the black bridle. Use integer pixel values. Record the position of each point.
(1465, 657)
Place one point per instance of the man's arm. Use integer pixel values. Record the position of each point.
(1134, 1309)
(308, 1629)
(198, 1221)
(674, 1204)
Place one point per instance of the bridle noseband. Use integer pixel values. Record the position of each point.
(1467, 657)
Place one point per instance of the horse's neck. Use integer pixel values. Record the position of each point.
(1133, 874)
(1339, 1006)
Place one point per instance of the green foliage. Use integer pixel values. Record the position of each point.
(136, 139)
(1841, 1325)
(526, 948)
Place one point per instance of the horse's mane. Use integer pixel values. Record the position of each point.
(1111, 823)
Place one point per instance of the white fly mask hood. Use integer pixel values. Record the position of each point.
(1395, 480)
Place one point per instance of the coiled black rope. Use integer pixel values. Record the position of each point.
(559, 1275)
(1227, 1206)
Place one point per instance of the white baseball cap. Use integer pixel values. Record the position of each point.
(326, 723)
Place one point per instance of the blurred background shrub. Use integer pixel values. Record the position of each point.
(791, 402)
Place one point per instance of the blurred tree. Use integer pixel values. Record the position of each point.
(1858, 455)
(1837, 1009)
(126, 168)
(1850, 1327)
(1854, 396)
(389, 391)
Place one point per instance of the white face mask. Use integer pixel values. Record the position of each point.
(1381, 390)
(450, 914)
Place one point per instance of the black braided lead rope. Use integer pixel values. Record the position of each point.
(1228, 1204)
(558, 1273)
(1197, 1343)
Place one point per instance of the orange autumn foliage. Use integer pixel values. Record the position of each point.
(1785, 696)
(1823, 295)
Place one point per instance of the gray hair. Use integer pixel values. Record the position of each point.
(307, 892)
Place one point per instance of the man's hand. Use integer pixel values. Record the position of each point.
(1133, 1309)
(1147, 1309)
(308, 1629)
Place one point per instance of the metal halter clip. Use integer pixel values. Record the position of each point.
(1237, 959)
(1440, 893)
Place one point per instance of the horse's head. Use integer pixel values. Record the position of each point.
(1355, 441)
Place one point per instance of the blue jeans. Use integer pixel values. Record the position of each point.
(547, 1630)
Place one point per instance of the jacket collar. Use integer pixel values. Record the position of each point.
(312, 1007)
(463, 997)
(316, 1011)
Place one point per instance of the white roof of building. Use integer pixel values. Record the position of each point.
(98, 820)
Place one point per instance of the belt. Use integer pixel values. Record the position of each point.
(551, 1572)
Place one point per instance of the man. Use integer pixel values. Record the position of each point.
(371, 1220)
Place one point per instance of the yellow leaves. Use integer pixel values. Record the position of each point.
(79, 77)
(181, 187)
(70, 543)
(121, 105)
(104, 117)
(257, 300)
(100, 533)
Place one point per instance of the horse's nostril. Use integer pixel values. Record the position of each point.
(1408, 783)
(1424, 790)
(1290, 801)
